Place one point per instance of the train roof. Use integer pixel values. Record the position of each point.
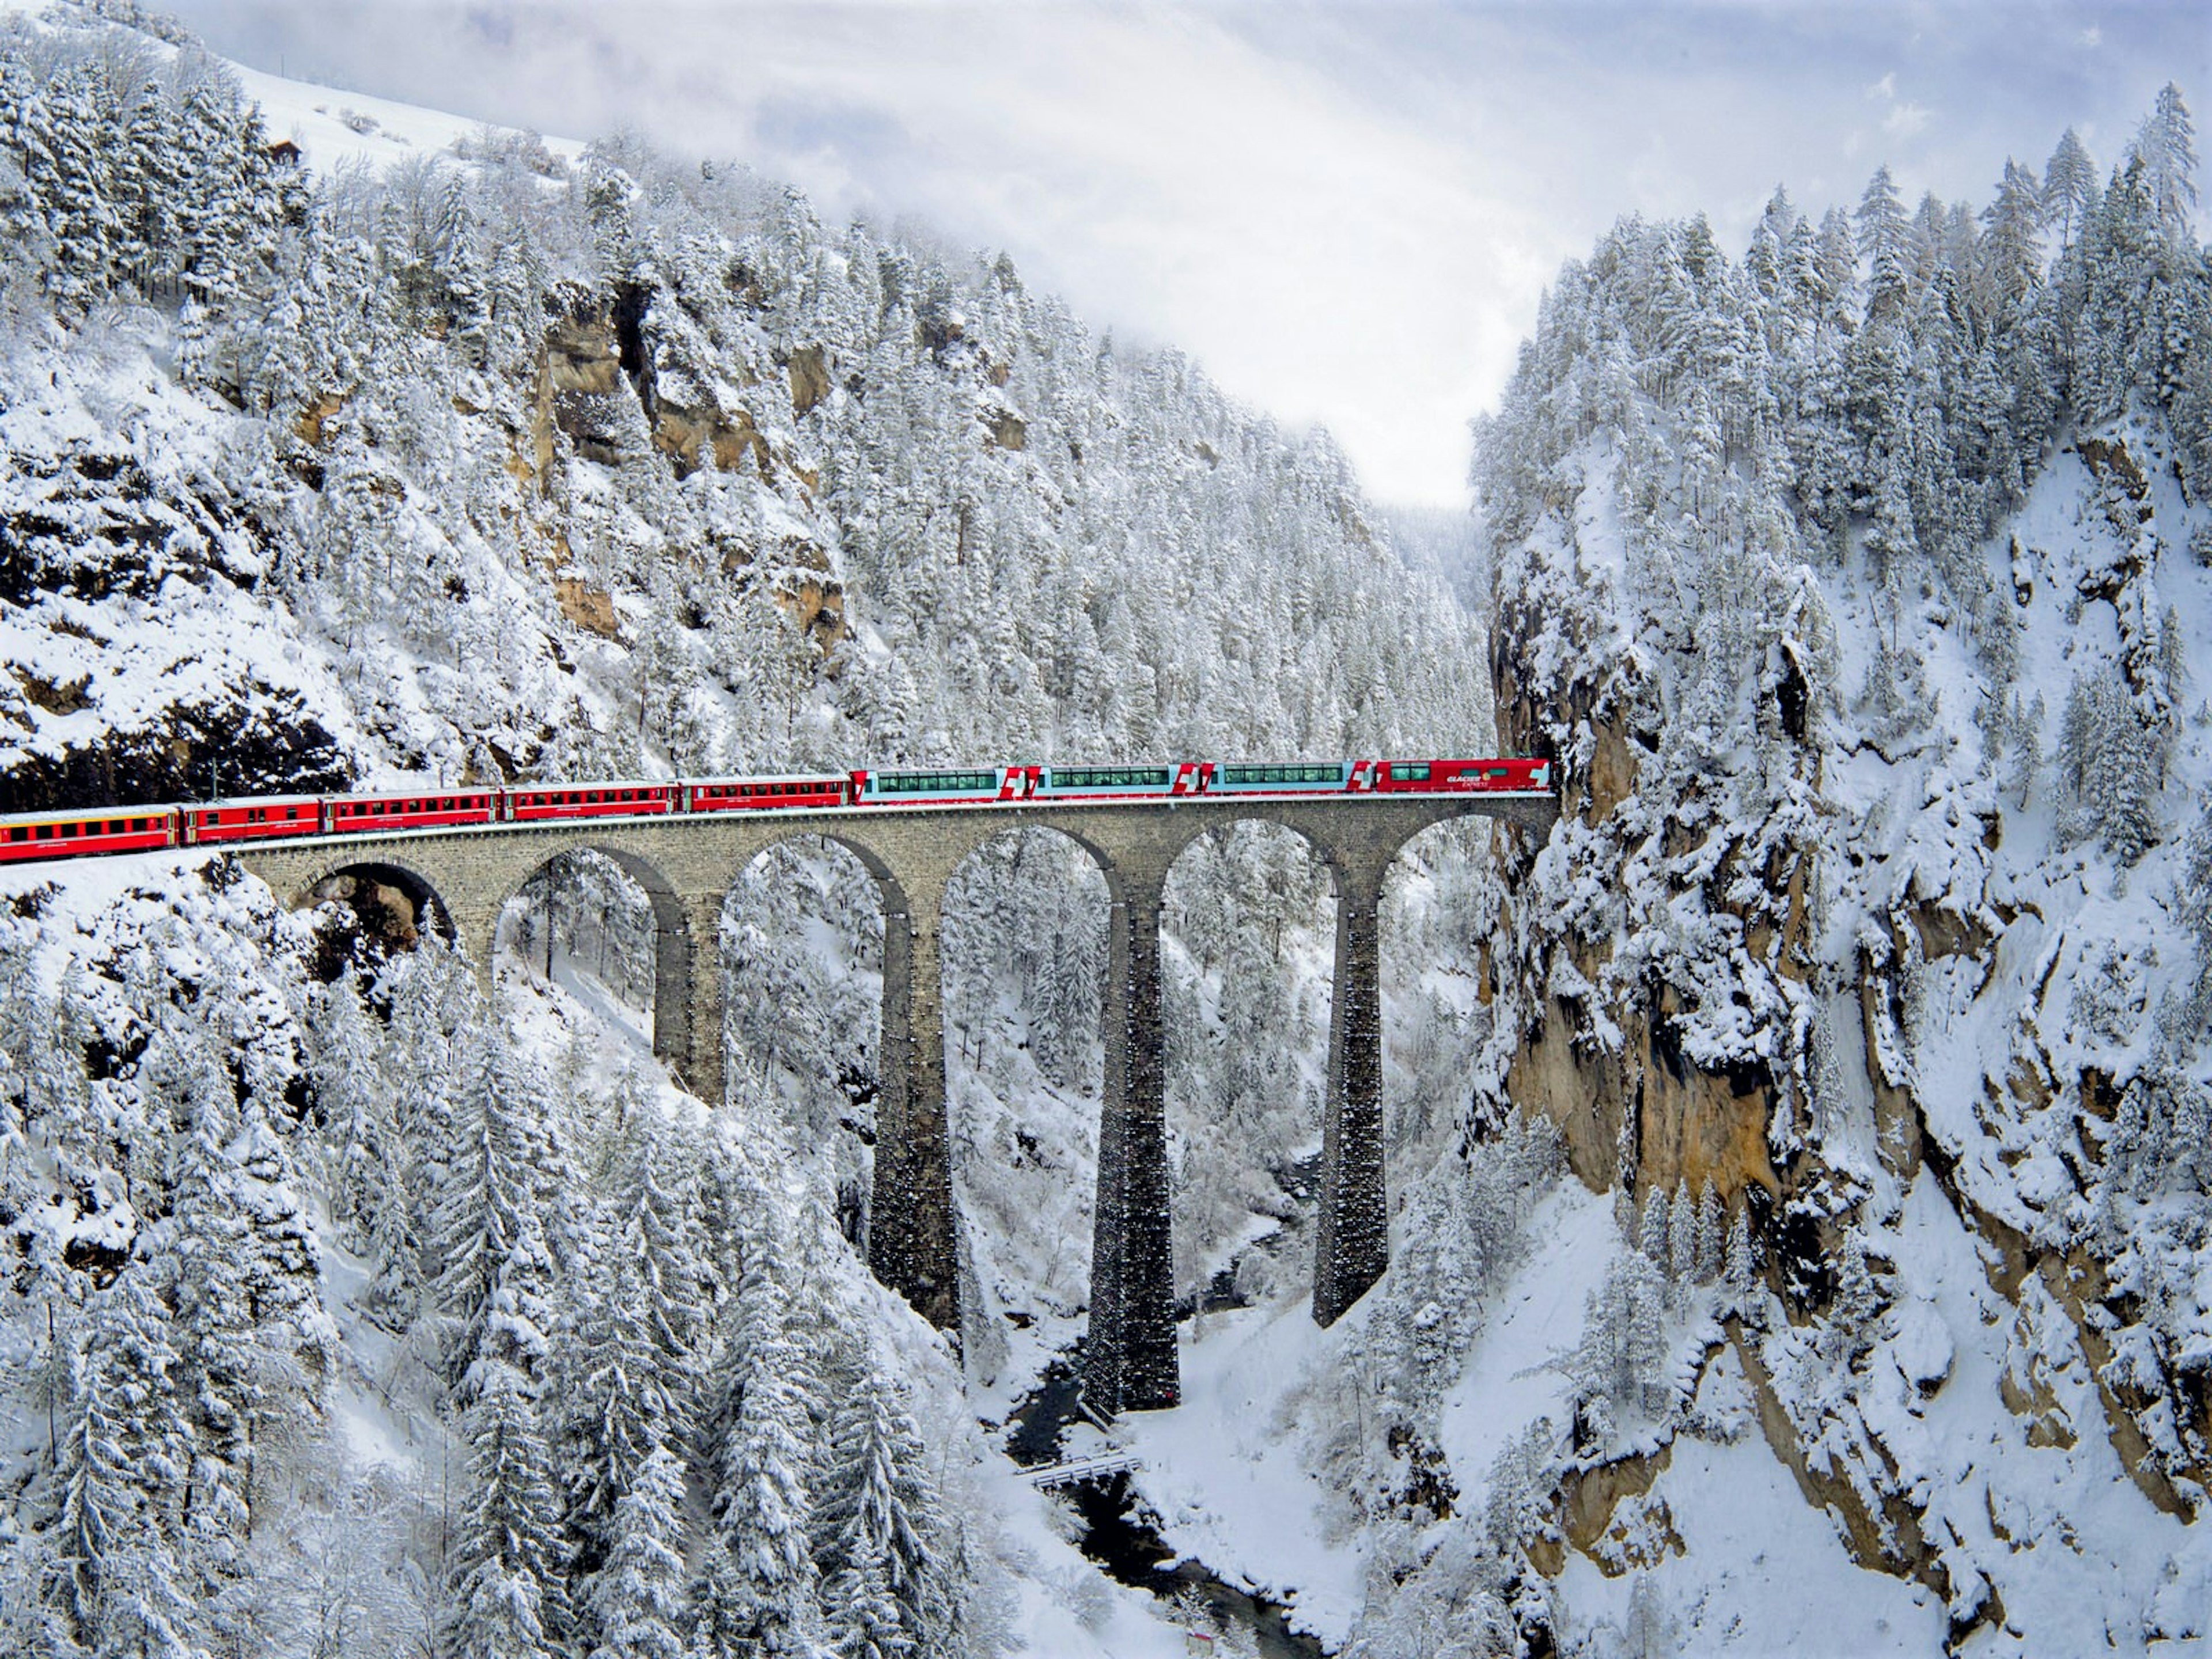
(405, 791)
(227, 802)
(775, 777)
(81, 814)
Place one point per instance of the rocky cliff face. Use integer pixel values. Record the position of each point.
(1878, 903)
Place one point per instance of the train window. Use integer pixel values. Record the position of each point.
(1408, 772)
(45, 832)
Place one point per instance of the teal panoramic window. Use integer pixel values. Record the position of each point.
(1110, 777)
(1410, 772)
(1282, 774)
(926, 783)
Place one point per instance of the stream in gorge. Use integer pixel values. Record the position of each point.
(1118, 1531)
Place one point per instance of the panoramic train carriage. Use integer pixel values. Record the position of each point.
(542, 801)
(353, 815)
(1125, 782)
(900, 788)
(221, 821)
(763, 794)
(26, 835)
(1285, 778)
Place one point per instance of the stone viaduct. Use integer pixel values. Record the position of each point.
(687, 865)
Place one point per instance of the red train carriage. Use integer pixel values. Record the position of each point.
(355, 815)
(763, 794)
(541, 801)
(29, 836)
(222, 820)
(1516, 776)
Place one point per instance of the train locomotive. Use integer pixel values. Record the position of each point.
(37, 836)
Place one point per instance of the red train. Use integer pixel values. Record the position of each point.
(32, 836)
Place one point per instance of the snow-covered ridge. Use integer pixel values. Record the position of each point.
(1863, 585)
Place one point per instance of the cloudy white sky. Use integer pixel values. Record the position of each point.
(1346, 211)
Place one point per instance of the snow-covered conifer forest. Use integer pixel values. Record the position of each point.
(1801, 1231)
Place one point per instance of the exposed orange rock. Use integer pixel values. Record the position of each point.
(316, 415)
(688, 434)
(817, 608)
(592, 608)
(810, 378)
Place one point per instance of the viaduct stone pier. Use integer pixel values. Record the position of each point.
(687, 865)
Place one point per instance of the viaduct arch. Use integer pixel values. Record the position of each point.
(687, 865)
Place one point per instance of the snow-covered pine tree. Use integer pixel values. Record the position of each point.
(1738, 1272)
(2166, 144)
(487, 1235)
(122, 1480)
(1707, 1236)
(624, 1357)
(876, 1526)
(1682, 1237)
(637, 1597)
(353, 1109)
(1652, 1226)
(2069, 187)
(509, 1597)
(255, 1346)
(759, 1585)
(1857, 1302)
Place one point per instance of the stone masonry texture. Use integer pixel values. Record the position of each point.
(687, 865)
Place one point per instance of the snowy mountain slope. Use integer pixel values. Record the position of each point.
(502, 459)
(547, 461)
(1862, 586)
